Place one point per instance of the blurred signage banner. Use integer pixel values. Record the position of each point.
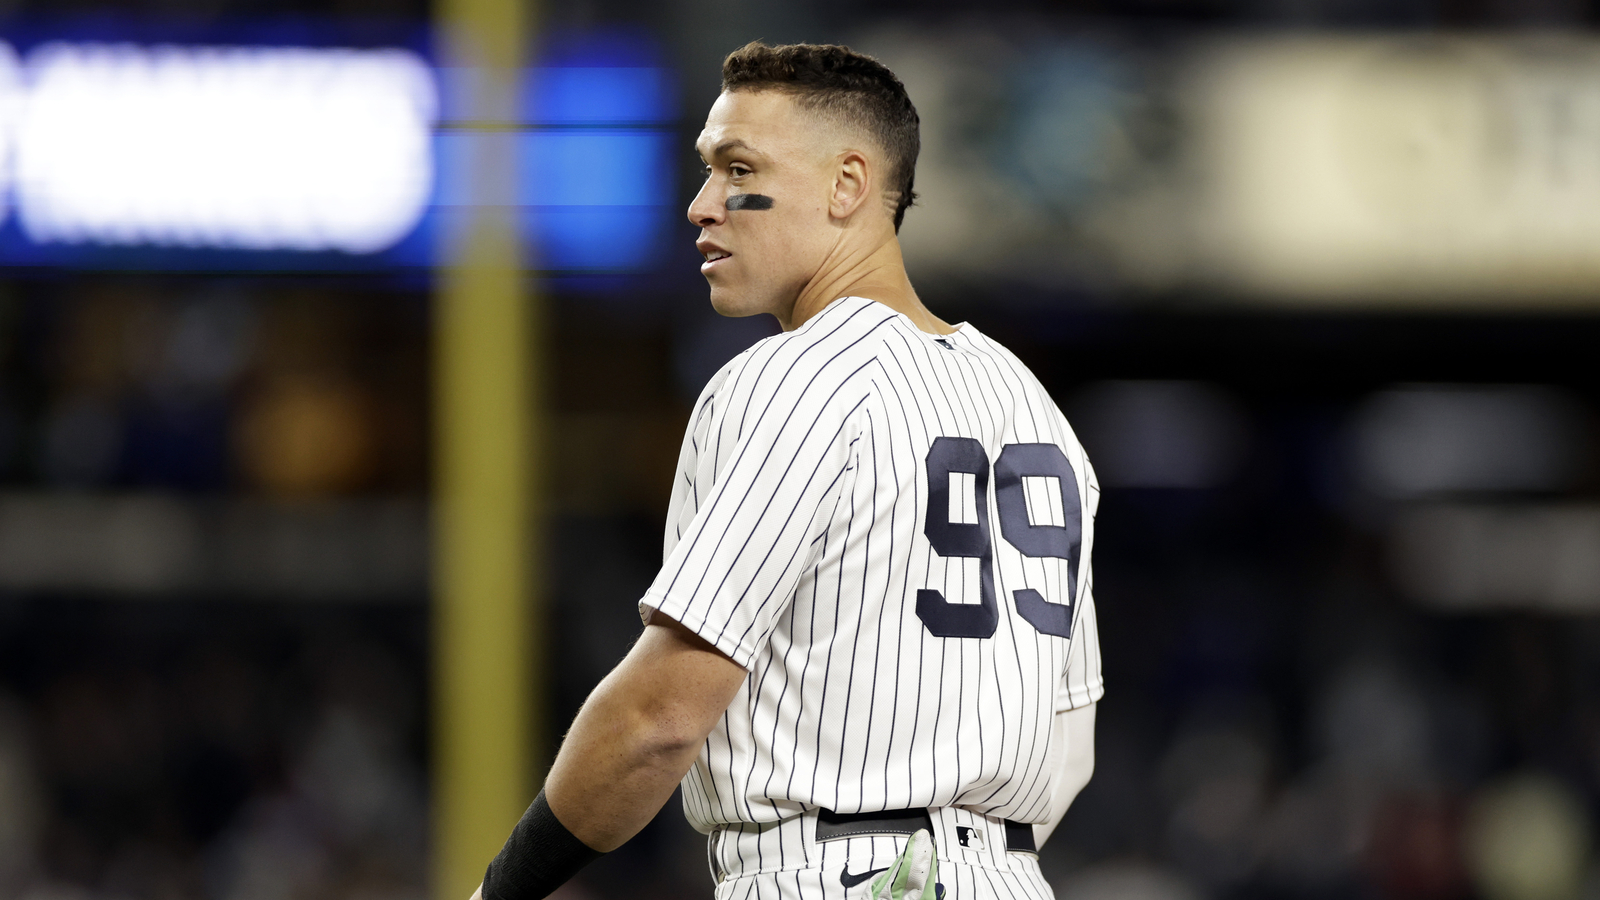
(1349, 170)
(165, 156)
(1414, 169)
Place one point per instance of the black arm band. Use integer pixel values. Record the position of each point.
(539, 857)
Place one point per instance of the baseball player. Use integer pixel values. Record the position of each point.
(870, 656)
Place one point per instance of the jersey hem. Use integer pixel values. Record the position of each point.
(663, 604)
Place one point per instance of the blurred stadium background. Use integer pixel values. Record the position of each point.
(1317, 281)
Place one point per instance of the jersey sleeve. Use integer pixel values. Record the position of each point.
(766, 454)
(1081, 683)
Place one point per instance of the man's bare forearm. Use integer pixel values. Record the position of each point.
(638, 733)
(615, 769)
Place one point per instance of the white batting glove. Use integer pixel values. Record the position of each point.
(912, 873)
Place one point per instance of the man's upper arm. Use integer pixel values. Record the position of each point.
(675, 673)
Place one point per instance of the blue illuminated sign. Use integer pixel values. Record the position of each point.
(236, 157)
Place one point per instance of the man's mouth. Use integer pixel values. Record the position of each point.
(712, 256)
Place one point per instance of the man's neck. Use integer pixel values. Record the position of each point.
(881, 276)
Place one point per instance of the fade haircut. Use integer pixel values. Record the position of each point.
(844, 85)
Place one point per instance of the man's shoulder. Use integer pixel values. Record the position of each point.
(985, 344)
(848, 323)
(831, 347)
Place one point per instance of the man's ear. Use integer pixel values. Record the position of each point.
(852, 184)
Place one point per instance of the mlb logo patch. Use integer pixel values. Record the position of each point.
(971, 838)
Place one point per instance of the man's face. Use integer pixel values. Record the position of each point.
(758, 260)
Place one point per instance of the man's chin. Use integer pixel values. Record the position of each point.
(730, 303)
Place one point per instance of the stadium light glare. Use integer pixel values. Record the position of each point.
(223, 147)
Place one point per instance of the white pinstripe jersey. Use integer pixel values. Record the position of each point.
(891, 531)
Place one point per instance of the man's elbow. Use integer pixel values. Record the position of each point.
(654, 732)
(669, 737)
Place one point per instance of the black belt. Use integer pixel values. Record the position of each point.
(830, 825)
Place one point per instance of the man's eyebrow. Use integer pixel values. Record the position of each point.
(734, 144)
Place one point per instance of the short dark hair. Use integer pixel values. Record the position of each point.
(839, 82)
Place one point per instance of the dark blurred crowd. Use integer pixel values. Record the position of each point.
(203, 750)
(204, 744)
(1285, 715)
(300, 392)
(1287, 726)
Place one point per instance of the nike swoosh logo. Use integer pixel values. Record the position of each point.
(849, 881)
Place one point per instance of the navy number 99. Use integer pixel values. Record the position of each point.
(971, 540)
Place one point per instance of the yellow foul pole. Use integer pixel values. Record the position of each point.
(487, 541)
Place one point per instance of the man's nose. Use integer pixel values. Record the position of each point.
(704, 210)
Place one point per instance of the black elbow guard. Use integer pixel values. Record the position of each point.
(539, 857)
